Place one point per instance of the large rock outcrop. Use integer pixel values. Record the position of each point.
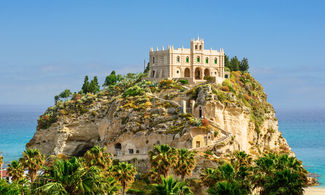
(133, 115)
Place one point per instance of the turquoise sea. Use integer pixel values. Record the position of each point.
(304, 131)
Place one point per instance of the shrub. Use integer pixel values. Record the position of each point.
(208, 78)
(133, 91)
(205, 122)
(183, 81)
(165, 84)
(225, 88)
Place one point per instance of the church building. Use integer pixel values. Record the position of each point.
(194, 64)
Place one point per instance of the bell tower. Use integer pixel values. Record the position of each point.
(197, 45)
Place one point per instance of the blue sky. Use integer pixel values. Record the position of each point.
(48, 46)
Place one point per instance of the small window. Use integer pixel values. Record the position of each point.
(198, 59)
(196, 47)
(131, 151)
(147, 141)
(158, 142)
(226, 76)
(200, 47)
(197, 144)
(215, 60)
(177, 71)
(153, 60)
(178, 59)
(187, 59)
(215, 73)
(207, 60)
(138, 151)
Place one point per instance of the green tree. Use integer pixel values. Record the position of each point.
(65, 94)
(227, 62)
(85, 86)
(15, 170)
(70, 177)
(124, 173)
(146, 70)
(162, 158)
(234, 64)
(111, 79)
(56, 98)
(14, 188)
(97, 156)
(185, 164)
(169, 186)
(94, 86)
(243, 66)
(279, 174)
(33, 160)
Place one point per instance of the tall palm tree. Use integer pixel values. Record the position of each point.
(70, 177)
(185, 164)
(124, 173)
(97, 156)
(162, 158)
(169, 186)
(33, 160)
(15, 170)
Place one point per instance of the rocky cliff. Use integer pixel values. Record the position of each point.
(130, 117)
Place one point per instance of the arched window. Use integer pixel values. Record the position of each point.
(196, 47)
(187, 59)
(200, 47)
(215, 60)
(198, 59)
(178, 59)
(207, 60)
(187, 72)
(153, 60)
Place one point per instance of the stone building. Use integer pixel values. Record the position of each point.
(193, 64)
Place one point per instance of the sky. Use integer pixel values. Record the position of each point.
(49, 46)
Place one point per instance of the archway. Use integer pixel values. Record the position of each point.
(198, 73)
(187, 72)
(200, 112)
(206, 72)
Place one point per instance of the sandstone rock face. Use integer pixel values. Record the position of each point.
(129, 126)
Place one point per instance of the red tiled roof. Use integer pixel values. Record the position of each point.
(4, 173)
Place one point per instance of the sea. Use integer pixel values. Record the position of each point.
(304, 131)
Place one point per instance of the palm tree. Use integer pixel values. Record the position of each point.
(185, 164)
(169, 186)
(97, 156)
(124, 173)
(226, 188)
(162, 158)
(70, 177)
(279, 174)
(225, 180)
(33, 160)
(15, 170)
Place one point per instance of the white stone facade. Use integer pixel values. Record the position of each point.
(192, 64)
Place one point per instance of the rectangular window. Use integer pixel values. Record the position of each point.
(207, 61)
(198, 59)
(197, 144)
(215, 61)
(131, 151)
(186, 60)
